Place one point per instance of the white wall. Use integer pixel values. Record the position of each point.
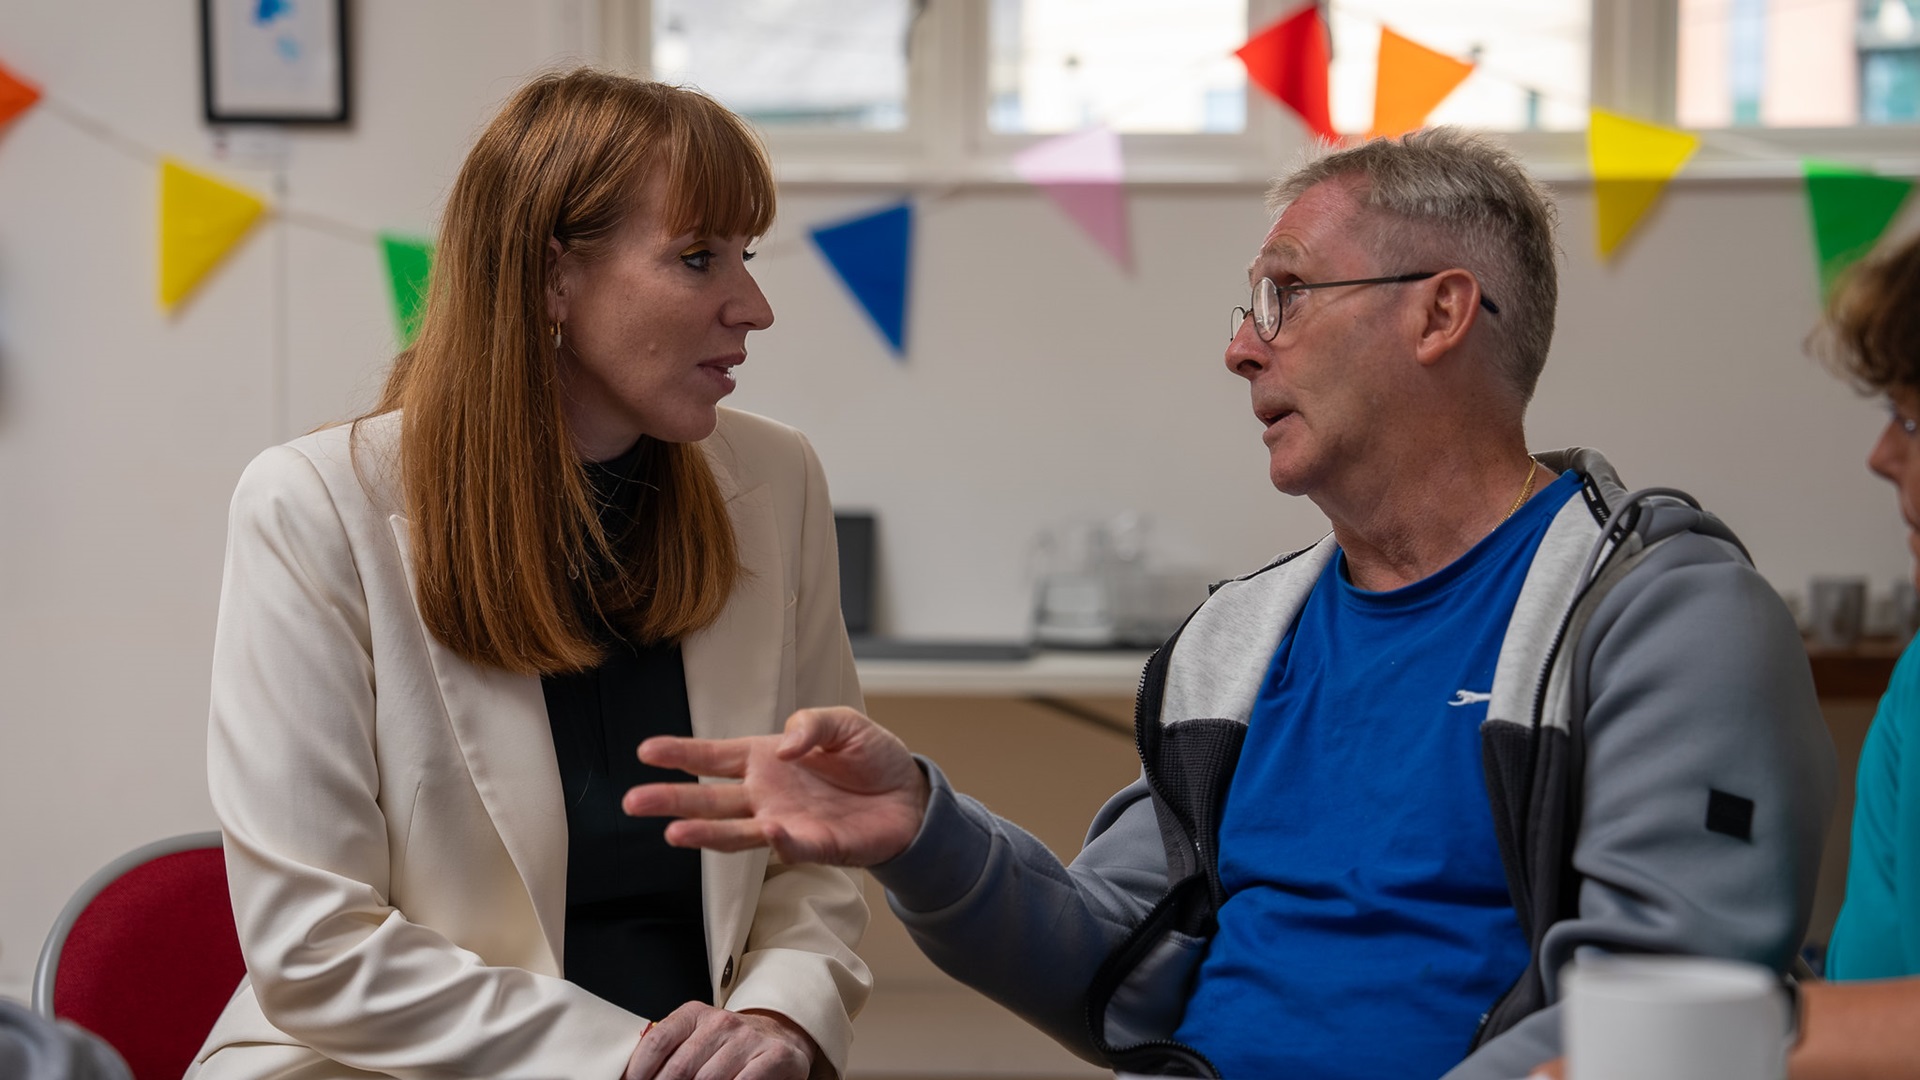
(1042, 385)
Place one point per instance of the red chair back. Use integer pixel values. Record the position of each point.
(151, 960)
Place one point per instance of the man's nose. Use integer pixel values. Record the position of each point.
(1247, 356)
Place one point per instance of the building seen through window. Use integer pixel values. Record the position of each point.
(1798, 63)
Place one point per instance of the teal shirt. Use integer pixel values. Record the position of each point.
(1878, 933)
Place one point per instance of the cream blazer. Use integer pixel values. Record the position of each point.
(396, 842)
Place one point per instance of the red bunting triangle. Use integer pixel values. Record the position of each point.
(16, 95)
(1290, 60)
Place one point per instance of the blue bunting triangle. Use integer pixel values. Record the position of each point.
(871, 253)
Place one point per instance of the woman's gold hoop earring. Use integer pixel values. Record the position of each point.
(557, 341)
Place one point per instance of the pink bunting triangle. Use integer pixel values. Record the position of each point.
(1083, 174)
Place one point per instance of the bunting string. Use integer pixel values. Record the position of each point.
(1082, 172)
(98, 130)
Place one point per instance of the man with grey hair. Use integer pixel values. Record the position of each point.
(1506, 712)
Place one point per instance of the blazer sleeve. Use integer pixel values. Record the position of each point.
(799, 959)
(293, 774)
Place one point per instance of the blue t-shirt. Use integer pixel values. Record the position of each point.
(1878, 934)
(1368, 924)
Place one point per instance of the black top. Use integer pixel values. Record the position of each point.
(634, 935)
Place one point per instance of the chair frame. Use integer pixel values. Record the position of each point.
(49, 963)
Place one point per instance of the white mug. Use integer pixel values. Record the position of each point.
(1673, 1018)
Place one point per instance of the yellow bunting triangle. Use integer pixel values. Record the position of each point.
(1632, 162)
(201, 218)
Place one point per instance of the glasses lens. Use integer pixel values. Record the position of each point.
(1266, 309)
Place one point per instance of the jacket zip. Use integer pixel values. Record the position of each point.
(1152, 684)
(1599, 507)
(1152, 687)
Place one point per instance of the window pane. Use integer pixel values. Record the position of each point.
(790, 63)
(1132, 65)
(1531, 58)
(1798, 63)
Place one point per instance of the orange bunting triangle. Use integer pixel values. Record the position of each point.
(1410, 81)
(201, 219)
(16, 95)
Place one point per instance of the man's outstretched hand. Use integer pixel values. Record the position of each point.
(837, 788)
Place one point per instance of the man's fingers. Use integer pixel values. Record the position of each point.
(701, 757)
(687, 801)
(810, 728)
(717, 835)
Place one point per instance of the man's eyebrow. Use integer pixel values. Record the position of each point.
(1283, 250)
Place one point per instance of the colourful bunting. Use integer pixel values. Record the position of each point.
(409, 262)
(201, 218)
(1082, 174)
(16, 95)
(1290, 60)
(1632, 163)
(872, 254)
(1410, 81)
(1850, 208)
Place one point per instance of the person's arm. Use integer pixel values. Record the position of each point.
(993, 907)
(295, 782)
(1695, 682)
(983, 898)
(1858, 1031)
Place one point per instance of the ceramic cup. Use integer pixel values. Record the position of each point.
(1673, 1018)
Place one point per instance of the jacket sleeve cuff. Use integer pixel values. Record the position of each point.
(811, 994)
(947, 857)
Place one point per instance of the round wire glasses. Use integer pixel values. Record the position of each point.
(1269, 301)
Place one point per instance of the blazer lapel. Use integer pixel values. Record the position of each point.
(500, 720)
(733, 680)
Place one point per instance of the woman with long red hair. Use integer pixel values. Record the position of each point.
(445, 627)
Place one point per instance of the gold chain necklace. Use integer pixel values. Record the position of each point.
(1525, 490)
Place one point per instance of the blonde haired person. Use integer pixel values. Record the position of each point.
(444, 628)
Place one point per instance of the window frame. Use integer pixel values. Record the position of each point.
(947, 141)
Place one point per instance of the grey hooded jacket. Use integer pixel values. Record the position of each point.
(1659, 773)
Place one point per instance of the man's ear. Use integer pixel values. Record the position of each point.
(1452, 309)
(556, 275)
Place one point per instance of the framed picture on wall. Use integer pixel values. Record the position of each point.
(274, 61)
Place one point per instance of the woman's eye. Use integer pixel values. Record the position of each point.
(747, 256)
(701, 259)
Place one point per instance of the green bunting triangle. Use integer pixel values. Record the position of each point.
(1851, 207)
(409, 262)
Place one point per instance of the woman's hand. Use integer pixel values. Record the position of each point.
(717, 1044)
(837, 788)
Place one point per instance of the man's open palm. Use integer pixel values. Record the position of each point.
(837, 788)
